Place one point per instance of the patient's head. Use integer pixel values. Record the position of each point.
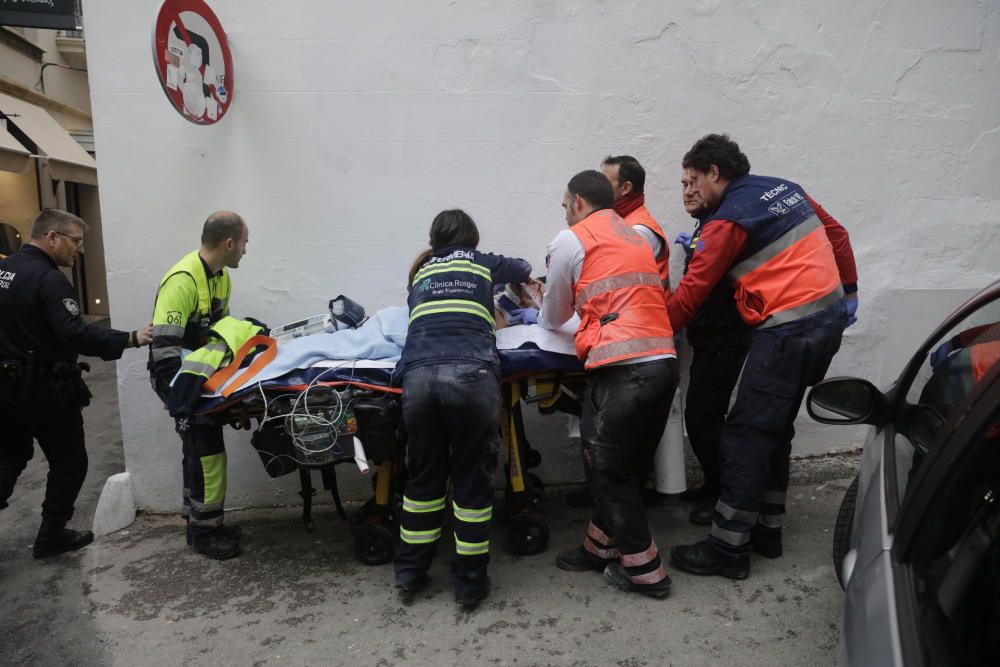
(454, 228)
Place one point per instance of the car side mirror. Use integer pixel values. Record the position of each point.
(847, 401)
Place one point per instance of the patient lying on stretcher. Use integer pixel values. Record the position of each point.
(515, 297)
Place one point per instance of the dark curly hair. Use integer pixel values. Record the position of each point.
(720, 150)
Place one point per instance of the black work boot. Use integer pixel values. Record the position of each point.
(767, 545)
(469, 600)
(216, 545)
(55, 538)
(615, 574)
(232, 532)
(702, 513)
(703, 558)
(579, 560)
(415, 585)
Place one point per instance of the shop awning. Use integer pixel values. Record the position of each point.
(67, 160)
(13, 156)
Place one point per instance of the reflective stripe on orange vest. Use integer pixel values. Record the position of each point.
(603, 285)
(793, 277)
(619, 297)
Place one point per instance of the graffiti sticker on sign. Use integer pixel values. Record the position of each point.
(193, 61)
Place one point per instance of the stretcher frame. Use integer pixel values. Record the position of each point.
(374, 525)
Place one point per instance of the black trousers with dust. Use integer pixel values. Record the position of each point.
(451, 413)
(624, 413)
(59, 432)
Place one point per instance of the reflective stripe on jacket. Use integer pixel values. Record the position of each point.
(641, 216)
(619, 297)
(451, 307)
(225, 338)
(787, 270)
(188, 302)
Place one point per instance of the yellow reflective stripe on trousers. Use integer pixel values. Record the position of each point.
(419, 536)
(472, 515)
(471, 548)
(454, 265)
(421, 506)
(452, 306)
(213, 471)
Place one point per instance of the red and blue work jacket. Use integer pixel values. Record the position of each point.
(787, 269)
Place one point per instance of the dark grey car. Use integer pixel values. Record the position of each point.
(917, 540)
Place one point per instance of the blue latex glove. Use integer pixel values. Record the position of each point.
(941, 353)
(852, 310)
(683, 239)
(523, 316)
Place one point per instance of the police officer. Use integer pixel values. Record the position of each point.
(193, 296)
(795, 282)
(41, 388)
(605, 271)
(719, 339)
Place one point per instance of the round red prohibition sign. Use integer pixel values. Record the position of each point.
(193, 61)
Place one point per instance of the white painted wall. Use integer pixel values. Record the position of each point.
(355, 122)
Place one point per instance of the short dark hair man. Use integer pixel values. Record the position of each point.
(603, 269)
(194, 295)
(628, 182)
(41, 388)
(791, 264)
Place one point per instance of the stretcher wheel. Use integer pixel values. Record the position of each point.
(533, 458)
(528, 534)
(374, 544)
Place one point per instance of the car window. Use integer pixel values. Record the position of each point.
(955, 558)
(954, 365)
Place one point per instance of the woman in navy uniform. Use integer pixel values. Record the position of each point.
(451, 400)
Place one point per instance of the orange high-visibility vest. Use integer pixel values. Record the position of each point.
(619, 298)
(787, 270)
(641, 216)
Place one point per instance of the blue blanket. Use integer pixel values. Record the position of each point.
(381, 337)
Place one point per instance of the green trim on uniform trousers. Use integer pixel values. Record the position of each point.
(471, 548)
(472, 515)
(422, 506)
(419, 536)
(213, 470)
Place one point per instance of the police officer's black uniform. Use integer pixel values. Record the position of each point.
(41, 389)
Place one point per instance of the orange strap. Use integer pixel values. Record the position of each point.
(221, 376)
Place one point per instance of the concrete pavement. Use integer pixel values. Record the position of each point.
(140, 596)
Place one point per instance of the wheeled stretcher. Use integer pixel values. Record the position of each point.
(336, 411)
